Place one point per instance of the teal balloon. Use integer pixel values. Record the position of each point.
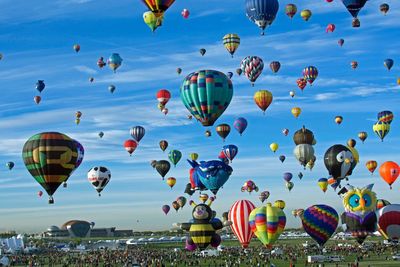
(174, 156)
(206, 94)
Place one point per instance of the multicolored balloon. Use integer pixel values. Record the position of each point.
(252, 67)
(240, 125)
(231, 42)
(262, 12)
(230, 151)
(381, 129)
(263, 99)
(310, 73)
(323, 184)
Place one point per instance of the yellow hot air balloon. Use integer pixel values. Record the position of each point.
(338, 119)
(274, 147)
(194, 156)
(231, 42)
(323, 184)
(296, 112)
(280, 204)
(306, 14)
(171, 181)
(381, 129)
(151, 20)
(398, 81)
(263, 99)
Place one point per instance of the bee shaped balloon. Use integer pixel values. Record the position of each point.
(202, 228)
(359, 216)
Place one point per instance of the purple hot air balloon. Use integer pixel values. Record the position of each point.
(166, 209)
(287, 176)
(240, 125)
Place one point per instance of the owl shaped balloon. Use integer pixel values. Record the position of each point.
(359, 216)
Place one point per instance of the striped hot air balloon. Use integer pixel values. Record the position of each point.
(239, 216)
(231, 42)
(381, 129)
(389, 221)
(263, 99)
(252, 67)
(230, 151)
(310, 73)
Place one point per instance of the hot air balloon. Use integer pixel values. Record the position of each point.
(207, 133)
(40, 85)
(181, 201)
(239, 216)
(338, 119)
(162, 167)
(371, 165)
(101, 63)
(223, 130)
(285, 131)
(354, 6)
(185, 13)
(301, 83)
(175, 205)
(114, 61)
(280, 204)
(10, 165)
(310, 73)
(130, 146)
(300, 175)
(290, 10)
(164, 111)
(384, 8)
(323, 184)
(50, 157)
(240, 124)
(389, 172)
(287, 176)
(262, 12)
(341, 42)
(229, 74)
(163, 145)
(296, 111)
(163, 96)
(214, 88)
(388, 63)
(351, 143)
(289, 186)
(178, 70)
(203, 198)
(99, 177)
(274, 147)
(330, 28)
(40, 193)
(389, 221)
(202, 51)
(381, 129)
(158, 8)
(263, 99)
(77, 48)
(194, 156)
(91, 79)
(230, 151)
(249, 186)
(380, 203)
(267, 223)
(306, 14)
(338, 160)
(252, 67)
(171, 181)
(292, 94)
(153, 163)
(282, 158)
(362, 136)
(137, 133)
(264, 195)
(354, 65)
(385, 116)
(174, 156)
(320, 222)
(275, 66)
(165, 209)
(303, 153)
(37, 99)
(101, 134)
(111, 88)
(231, 42)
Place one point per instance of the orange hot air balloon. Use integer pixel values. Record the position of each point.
(296, 112)
(338, 119)
(263, 99)
(371, 165)
(389, 172)
(171, 181)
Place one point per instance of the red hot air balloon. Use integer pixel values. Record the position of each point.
(330, 28)
(185, 13)
(40, 193)
(163, 96)
(37, 99)
(130, 146)
(239, 216)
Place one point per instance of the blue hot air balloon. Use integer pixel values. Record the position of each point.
(388, 63)
(354, 6)
(262, 12)
(40, 85)
(230, 151)
(240, 125)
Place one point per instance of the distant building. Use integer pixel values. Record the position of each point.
(77, 228)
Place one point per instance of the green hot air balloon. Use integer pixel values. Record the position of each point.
(206, 94)
(174, 156)
(50, 157)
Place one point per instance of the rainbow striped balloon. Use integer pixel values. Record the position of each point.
(267, 223)
(320, 222)
(239, 216)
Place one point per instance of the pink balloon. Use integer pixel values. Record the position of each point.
(185, 13)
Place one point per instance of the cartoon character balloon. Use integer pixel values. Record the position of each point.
(99, 177)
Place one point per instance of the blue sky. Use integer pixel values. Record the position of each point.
(36, 40)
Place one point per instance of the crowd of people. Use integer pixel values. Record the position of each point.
(146, 256)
